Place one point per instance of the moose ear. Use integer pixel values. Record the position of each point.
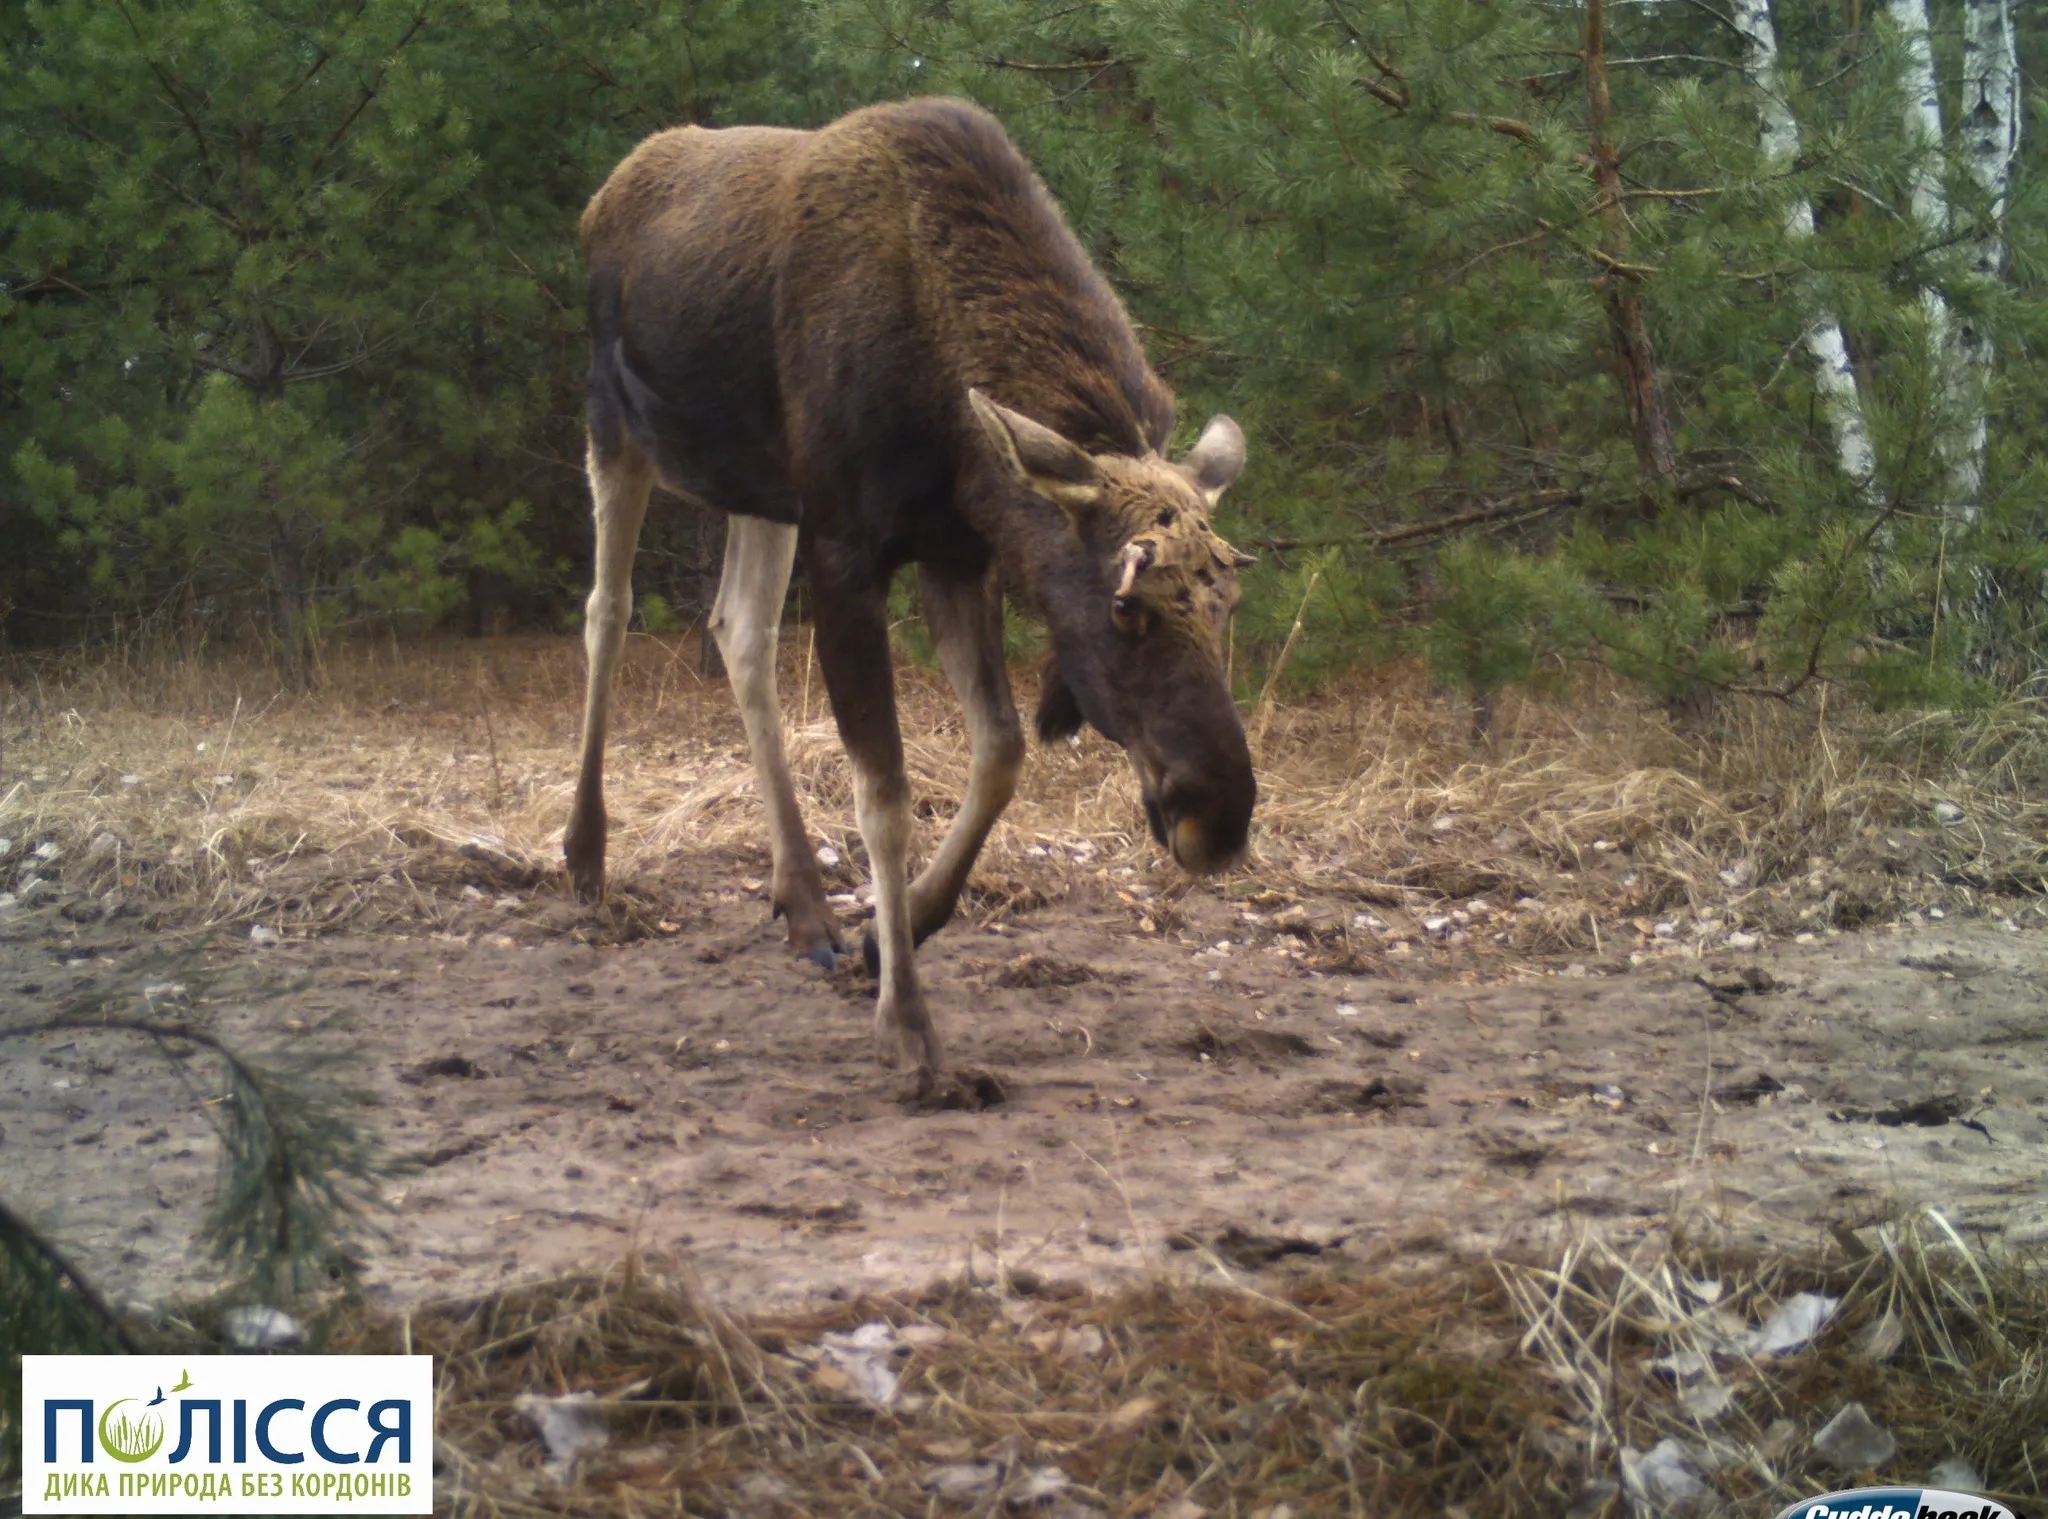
(1045, 461)
(1216, 459)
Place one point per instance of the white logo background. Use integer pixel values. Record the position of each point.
(150, 1406)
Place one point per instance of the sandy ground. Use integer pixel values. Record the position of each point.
(1204, 1084)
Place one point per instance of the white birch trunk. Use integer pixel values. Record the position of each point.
(1833, 378)
(1930, 214)
(1990, 109)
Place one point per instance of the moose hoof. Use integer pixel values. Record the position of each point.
(908, 1049)
(589, 886)
(825, 956)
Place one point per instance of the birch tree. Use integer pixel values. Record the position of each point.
(1930, 212)
(1990, 110)
(1833, 376)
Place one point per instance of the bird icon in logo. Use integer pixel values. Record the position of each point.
(157, 1399)
(186, 1381)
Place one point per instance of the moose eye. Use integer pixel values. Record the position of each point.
(1128, 613)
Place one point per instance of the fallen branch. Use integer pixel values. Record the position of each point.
(1508, 513)
(1078, 66)
(1506, 126)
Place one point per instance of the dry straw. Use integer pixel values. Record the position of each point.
(193, 789)
(1504, 1390)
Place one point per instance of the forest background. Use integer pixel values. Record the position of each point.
(1693, 338)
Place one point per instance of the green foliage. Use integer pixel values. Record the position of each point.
(1369, 229)
(290, 313)
(1500, 619)
(656, 615)
(289, 303)
(46, 1308)
(292, 1197)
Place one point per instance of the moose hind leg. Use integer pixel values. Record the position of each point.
(619, 485)
(746, 620)
(965, 616)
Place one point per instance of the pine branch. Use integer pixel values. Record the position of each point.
(1519, 509)
(1506, 126)
(1512, 512)
(1078, 66)
(295, 1173)
(370, 93)
(41, 1283)
(170, 88)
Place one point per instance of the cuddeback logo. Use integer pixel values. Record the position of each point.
(227, 1434)
(1898, 1503)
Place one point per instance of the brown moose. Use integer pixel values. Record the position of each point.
(880, 343)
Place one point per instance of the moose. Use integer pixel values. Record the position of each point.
(880, 344)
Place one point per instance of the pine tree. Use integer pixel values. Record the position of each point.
(1698, 312)
(1473, 265)
(290, 310)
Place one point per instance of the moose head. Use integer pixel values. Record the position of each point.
(1137, 589)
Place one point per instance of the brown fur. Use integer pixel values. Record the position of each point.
(884, 332)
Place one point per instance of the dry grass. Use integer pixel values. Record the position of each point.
(421, 787)
(193, 789)
(1499, 1390)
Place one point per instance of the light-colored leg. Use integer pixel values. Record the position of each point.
(853, 652)
(903, 1026)
(747, 622)
(965, 617)
(619, 487)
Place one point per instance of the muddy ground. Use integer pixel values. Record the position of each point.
(1209, 1083)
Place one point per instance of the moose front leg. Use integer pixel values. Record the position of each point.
(965, 616)
(904, 1035)
(853, 652)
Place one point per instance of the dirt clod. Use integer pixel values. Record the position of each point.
(1035, 972)
(1382, 1094)
(458, 1066)
(1920, 1112)
(963, 1090)
(1206, 1043)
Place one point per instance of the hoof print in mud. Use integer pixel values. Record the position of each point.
(1034, 972)
(459, 1067)
(1511, 1152)
(822, 1218)
(961, 1091)
(1207, 1043)
(1248, 1250)
(1382, 1094)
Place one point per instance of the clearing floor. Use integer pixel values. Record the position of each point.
(1201, 1085)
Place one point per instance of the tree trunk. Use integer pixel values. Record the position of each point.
(1635, 355)
(1833, 377)
(1990, 110)
(1930, 215)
